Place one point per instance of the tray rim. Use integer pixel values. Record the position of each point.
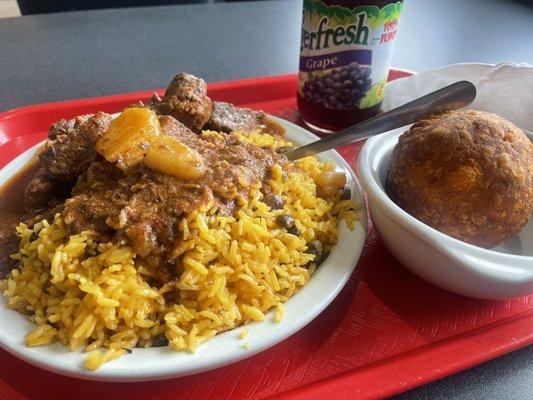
(501, 334)
(359, 378)
(136, 95)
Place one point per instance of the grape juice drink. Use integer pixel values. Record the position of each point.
(345, 52)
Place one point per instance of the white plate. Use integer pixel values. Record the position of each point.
(162, 362)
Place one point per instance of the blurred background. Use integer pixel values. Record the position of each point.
(14, 8)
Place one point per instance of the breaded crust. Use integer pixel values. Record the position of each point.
(466, 173)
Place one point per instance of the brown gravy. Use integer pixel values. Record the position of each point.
(12, 212)
(12, 191)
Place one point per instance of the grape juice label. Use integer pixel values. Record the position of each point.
(345, 53)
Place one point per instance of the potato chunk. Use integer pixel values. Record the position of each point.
(128, 137)
(168, 155)
(330, 181)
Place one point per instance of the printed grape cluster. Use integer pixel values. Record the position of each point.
(342, 88)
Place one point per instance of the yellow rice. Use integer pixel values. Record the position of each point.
(92, 296)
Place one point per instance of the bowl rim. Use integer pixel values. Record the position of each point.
(343, 262)
(370, 157)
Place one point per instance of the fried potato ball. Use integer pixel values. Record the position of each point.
(468, 174)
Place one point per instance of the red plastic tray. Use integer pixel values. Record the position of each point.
(386, 332)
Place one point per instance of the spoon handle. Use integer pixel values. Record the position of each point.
(454, 96)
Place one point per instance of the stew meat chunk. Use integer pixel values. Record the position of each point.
(67, 153)
(186, 100)
(70, 146)
(227, 118)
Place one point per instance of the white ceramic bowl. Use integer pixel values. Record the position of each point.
(160, 363)
(502, 272)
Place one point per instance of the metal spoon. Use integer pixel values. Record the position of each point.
(454, 96)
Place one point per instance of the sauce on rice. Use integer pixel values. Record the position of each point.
(117, 250)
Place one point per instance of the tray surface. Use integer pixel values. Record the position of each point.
(386, 332)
